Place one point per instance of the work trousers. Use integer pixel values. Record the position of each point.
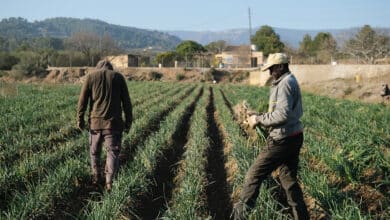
(112, 140)
(284, 154)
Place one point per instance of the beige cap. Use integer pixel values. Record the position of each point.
(273, 59)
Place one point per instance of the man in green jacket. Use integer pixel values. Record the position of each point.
(106, 92)
(283, 143)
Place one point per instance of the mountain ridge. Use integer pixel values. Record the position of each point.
(130, 38)
(238, 36)
(62, 27)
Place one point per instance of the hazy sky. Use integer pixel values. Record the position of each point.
(209, 14)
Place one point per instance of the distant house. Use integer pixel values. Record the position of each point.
(239, 57)
(128, 60)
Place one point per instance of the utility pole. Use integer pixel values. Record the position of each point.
(250, 37)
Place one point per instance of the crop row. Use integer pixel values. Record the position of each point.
(317, 182)
(47, 166)
(241, 155)
(137, 176)
(186, 156)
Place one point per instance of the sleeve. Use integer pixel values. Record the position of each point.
(126, 103)
(283, 108)
(83, 100)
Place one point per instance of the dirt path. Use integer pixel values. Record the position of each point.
(152, 204)
(217, 190)
(367, 90)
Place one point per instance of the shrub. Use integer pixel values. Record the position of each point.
(209, 75)
(180, 76)
(348, 91)
(7, 61)
(17, 74)
(155, 75)
(240, 78)
(30, 64)
(3, 73)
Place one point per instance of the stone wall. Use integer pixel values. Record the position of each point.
(317, 73)
(120, 61)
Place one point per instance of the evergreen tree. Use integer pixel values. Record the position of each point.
(267, 40)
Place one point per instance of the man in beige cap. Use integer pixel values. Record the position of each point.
(283, 143)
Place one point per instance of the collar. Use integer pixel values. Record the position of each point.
(276, 82)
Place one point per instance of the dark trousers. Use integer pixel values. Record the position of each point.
(278, 153)
(112, 140)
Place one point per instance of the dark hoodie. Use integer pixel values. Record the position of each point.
(107, 93)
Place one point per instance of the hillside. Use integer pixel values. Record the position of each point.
(127, 37)
(289, 36)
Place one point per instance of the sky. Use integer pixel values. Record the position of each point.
(209, 15)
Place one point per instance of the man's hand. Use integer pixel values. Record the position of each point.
(252, 121)
(250, 113)
(81, 125)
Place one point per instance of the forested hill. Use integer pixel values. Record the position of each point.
(126, 37)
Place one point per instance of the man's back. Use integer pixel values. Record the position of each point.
(107, 91)
(106, 94)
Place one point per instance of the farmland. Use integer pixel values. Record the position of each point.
(186, 156)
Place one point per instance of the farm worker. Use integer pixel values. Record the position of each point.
(283, 143)
(107, 94)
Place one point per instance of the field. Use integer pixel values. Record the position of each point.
(186, 156)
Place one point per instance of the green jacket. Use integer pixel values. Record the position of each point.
(285, 108)
(106, 92)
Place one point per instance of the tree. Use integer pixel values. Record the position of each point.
(318, 50)
(216, 46)
(325, 41)
(87, 43)
(187, 49)
(92, 46)
(7, 60)
(267, 40)
(325, 47)
(108, 46)
(3, 44)
(306, 46)
(30, 64)
(368, 46)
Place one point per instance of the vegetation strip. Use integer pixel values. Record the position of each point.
(152, 125)
(133, 178)
(44, 160)
(244, 152)
(188, 199)
(316, 182)
(86, 191)
(160, 193)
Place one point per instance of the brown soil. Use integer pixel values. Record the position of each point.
(153, 202)
(372, 201)
(77, 75)
(366, 90)
(217, 190)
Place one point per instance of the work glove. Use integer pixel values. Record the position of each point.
(81, 125)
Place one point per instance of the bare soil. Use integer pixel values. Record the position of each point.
(365, 90)
(217, 189)
(154, 202)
